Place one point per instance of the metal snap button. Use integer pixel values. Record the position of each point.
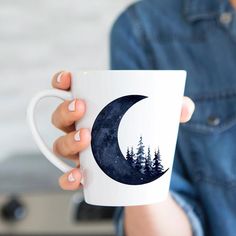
(213, 120)
(226, 18)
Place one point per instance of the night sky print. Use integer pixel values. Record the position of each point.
(106, 150)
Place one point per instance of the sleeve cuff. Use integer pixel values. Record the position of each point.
(194, 219)
(119, 221)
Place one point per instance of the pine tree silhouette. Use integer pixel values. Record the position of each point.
(134, 158)
(128, 156)
(157, 166)
(144, 163)
(141, 160)
(149, 162)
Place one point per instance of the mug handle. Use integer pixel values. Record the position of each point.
(35, 132)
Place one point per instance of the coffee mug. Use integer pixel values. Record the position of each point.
(134, 119)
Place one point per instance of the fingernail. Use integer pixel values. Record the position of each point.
(71, 106)
(71, 178)
(59, 77)
(77, 136)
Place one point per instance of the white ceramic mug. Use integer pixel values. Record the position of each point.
(134, 118)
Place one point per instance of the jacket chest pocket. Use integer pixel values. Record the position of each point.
(209, 139)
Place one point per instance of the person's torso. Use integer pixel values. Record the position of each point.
(199, 36)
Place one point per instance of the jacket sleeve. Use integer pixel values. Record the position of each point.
(128, 51)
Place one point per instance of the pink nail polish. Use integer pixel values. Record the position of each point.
(77, 136)
(59, 77)
(72, 105)
(71, 178)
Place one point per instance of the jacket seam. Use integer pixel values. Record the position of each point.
(140, 34)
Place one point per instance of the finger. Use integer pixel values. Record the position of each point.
(187, 110)
(67, 113)
(71, 180)
(72, 143)
(62, 80)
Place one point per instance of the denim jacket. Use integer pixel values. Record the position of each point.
(198, 36)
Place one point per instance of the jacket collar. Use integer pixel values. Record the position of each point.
(205, 9)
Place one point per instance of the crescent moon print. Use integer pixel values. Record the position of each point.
(134, 169)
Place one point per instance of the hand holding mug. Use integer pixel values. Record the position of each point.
(101, 123)
(64, 120)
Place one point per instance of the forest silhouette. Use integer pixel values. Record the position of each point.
(145, 163)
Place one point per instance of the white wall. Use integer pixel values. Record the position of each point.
(38, 38)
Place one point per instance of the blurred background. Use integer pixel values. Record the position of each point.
(37, 39)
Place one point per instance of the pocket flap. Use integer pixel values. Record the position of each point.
(214, 112)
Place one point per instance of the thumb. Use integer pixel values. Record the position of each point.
(188, 108)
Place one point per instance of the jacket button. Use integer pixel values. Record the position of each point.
(226, 18)
(213, 120)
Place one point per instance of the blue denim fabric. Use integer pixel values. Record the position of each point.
(198, 36)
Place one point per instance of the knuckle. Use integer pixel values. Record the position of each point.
(59, 117)
(60, 147)
(55, 148)
(61, 111)
(53, 119)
